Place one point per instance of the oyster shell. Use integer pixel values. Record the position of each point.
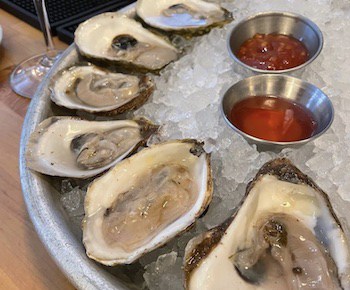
(71, 147)
(92, 89)
(146, 200)
(192, 17)
(285, 235)
(125, 43)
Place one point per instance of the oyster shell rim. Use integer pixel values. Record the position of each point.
(283, 169)
(147, 88)
(147, 129)
(189, 32)
(198, 145)
(122, 65)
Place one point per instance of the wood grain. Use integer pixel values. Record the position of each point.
(20, 41)
(24, 262)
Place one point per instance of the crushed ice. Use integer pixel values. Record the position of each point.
(187, 101)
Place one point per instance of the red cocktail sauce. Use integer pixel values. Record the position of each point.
(273, 52)
(273, 119)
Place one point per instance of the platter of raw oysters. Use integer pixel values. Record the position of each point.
(140, 194)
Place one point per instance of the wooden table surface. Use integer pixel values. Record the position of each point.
(24, 262)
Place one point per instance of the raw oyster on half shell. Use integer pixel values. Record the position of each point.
(285, 235)
(146, 200)
(192, 17)
(114, 39)
(71, 147)
(95, 90)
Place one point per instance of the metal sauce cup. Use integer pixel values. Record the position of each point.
(285, 23)
(300, 92)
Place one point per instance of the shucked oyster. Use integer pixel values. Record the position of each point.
(284, 236)
(191, 16)
(71, 147)
(95, 90)
(116, 39)
(146, 200)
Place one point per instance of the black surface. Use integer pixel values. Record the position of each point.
(61, 12)
(66, 31)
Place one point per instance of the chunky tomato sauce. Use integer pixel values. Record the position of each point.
(273, 52)
(273, 119)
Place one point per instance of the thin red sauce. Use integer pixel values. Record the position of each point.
(273, 119)
(273, 52)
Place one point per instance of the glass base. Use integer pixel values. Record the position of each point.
(28, 75)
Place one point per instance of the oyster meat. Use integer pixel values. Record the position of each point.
(192, 16)
(285, 235)
(95, 90)
(146, 200)
(112, 38)
(71, 147)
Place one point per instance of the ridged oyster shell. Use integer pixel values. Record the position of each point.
(146, 200)
(191, 17)
(89, 88)
(285, 235)
(71, 147)
(125, 43)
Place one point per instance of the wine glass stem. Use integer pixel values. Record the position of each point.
(46, 29)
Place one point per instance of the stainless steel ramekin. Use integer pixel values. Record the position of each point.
(280, 86)
(286, 23)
